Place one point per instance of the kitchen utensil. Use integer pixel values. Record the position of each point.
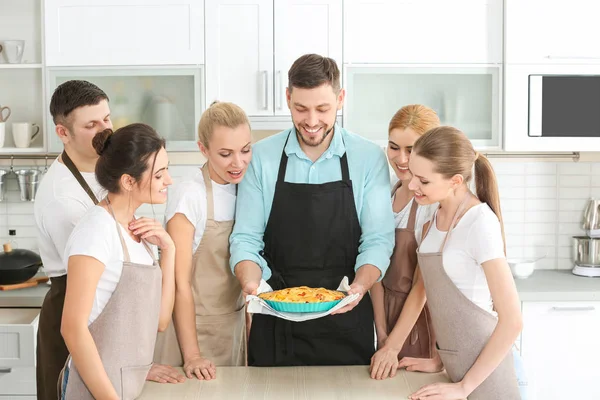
(522, 268)
(591, 218)
(3, 174)
(586, 256)
(18, 265)
(23, 133)
(2, 117)
(30, 283)
(13, 50)
(29, 180)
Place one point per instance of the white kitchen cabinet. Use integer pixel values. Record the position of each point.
(465, 96)
(559, 349)
(168, 98)
(423, 31)
(18, 334)
(554, 32)
(251, 69)
(302, 27)
(124, 32)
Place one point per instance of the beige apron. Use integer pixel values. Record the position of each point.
(218, 299)
(397, 284)
(462, 328)
(125, 330)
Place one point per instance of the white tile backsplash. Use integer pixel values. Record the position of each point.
(542, 204)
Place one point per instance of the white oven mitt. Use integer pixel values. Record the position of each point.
(256, 305)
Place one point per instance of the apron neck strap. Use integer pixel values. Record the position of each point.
(210, 204)
(121, 238)
(284, 160)
(75, 172)
(412, 216)
(457, 214)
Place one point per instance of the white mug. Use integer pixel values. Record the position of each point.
(13, 50)
(2, 132)
(23, 133)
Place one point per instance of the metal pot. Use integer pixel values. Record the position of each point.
(29, 180)
(586, 250)
(3, 174)
(17, 266)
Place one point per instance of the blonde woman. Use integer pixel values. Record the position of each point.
(402, 321)
(470, 291)
(209, 314)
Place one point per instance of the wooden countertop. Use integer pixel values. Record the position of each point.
(297, 383)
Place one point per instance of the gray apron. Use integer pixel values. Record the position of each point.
(462, 328)
(125, 330)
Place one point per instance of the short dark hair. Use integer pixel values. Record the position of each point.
(126, 151)
(71, 95)
(312, 70)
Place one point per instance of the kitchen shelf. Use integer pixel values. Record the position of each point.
(20, 66)
(17, 150)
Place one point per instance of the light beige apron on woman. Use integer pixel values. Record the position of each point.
(462, 328)
(218, 299)
(125, 330)
(397, 284)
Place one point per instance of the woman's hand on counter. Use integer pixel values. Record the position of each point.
(422, 364)
(384, 363)
(164, 374)
(440, 391)
(202, 368)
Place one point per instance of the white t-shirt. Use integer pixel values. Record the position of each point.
(476, 238)
(189, 198)
(424, 214)
(96, 236)
(60, 202)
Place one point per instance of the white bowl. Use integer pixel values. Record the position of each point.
(521, 268)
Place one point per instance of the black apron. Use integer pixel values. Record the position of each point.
(51, 352)
(312, 239)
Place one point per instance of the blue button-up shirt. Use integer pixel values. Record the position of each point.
(370, 182)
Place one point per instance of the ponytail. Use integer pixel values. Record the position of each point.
(486, 187)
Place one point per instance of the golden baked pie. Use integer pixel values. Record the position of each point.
(303, 294)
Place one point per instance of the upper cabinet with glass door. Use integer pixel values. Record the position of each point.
(423, 31)
(467, 97)
(168, 99)
(127, 32)
(251, 44)
(552, 32)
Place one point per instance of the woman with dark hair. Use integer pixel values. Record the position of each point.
(118, 296)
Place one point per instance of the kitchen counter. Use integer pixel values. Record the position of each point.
(542, 285)
(558, 285)
(298, 383)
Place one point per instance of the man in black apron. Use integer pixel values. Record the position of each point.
(313, 235)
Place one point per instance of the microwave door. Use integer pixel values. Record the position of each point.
(564, 106)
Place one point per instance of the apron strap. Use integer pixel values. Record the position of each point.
(84, 185)
(396, 187)
(345, 171)
(457, 214)
(123, 244)
(210, 203)
(412, 217)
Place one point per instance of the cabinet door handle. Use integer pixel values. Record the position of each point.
(5, 370)
(266, 90)
(279, 94)
(550, 57)
(581, 308)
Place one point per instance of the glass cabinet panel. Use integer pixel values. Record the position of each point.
(168, 99)
(465, 97)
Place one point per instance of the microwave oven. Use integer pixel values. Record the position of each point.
(552, 108)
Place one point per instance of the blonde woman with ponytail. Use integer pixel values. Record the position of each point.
(402, 321)
(470, 291)
(209, 328)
